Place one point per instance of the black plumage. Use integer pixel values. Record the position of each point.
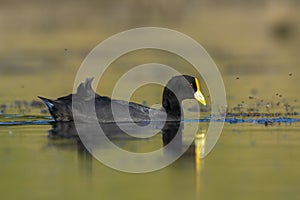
(176, 90)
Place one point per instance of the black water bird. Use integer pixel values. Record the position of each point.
(177, 89)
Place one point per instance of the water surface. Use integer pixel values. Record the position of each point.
(249, 161)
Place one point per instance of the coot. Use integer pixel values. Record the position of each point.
(177, 89)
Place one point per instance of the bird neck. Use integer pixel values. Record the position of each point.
(172, 105)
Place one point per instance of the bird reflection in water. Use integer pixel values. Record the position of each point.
(66, 131)
(199, 149)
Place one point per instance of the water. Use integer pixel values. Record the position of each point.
(253, 162)
(249, 161)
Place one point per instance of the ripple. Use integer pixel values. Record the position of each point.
(17, 119)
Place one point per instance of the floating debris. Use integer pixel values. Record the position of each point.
(264, 121)
(267, 123)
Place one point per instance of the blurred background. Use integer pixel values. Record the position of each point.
(254, 43)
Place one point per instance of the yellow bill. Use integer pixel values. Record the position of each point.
(198, 95)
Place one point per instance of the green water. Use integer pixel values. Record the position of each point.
(248, 162)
